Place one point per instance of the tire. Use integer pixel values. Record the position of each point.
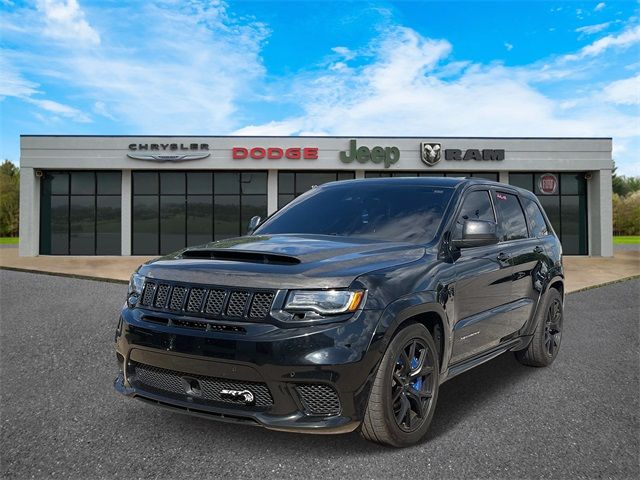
(405, 390)
(545, 344)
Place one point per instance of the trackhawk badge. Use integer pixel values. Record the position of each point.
(430, 153)
(179, 157)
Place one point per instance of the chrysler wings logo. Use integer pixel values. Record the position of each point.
(177, 157)
(430, 153)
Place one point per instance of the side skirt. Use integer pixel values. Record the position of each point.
(461, 367)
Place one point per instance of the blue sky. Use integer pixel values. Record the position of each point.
(539, 68)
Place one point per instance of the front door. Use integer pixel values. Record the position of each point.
(483, 284)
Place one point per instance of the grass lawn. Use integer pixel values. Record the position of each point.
(9, 240)
(626, 239)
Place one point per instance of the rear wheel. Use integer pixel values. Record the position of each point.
(405, 390)
(545, 343)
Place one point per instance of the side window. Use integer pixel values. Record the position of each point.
(535, 217)
(511, 222)
(475, 206)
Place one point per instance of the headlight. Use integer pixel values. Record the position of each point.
(324, 302)
(136, 284)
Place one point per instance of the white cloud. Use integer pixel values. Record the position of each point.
(625, 92)
(591, 29)
(628, 37)
(12, 84)
(402, 92)
(65, 20)
(599, 6)
(171, 67)
(59, 109)
(508, 46)
(344, 52)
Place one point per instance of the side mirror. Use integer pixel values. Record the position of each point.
(253, 224)
(477, 233)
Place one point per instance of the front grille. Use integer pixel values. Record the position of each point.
(207, 302)
(162, 294)
(237, 301)
(175, 382)
(261, 304)
(319, 399)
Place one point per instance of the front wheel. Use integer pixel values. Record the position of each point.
(405, 390)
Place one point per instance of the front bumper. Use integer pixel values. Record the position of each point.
(286, 361)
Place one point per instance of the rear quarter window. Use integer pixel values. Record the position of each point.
(537, 223)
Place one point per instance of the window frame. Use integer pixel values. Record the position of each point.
(185, 196)
(69, 195)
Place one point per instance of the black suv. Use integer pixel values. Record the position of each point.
(347, 308)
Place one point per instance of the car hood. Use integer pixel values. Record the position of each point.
(281, 261)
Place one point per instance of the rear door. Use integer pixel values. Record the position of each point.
(525, 253)
(483, 282)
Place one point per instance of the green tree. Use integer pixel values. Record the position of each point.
(9, 199)
(623, 185)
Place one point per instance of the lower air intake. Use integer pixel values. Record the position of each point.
(319, 399)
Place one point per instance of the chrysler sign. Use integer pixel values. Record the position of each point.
(168, 152)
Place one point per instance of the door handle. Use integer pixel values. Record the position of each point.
(503, 257)
(538, 249)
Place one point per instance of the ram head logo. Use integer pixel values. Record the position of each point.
(430, 153)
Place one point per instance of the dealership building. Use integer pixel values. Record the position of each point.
(150, 195)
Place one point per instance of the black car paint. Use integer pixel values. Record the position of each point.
(497, 288)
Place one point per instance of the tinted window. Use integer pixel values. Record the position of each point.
(408, 213)
(535, 217)
(475, 206)
(511, 222)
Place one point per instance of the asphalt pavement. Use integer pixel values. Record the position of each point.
(60, 417)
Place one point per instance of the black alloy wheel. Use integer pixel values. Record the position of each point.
(412, 385)
(405, 389)
(545, 342)
(553, 328)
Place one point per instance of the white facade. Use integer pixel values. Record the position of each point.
(587, 157)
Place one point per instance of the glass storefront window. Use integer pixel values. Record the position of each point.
(193, 208)
(294, 184)
(80, 213)
(566, 208)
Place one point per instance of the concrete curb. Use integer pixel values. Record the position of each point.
(68, 275)
(604, 284)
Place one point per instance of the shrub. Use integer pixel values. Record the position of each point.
(626, 214)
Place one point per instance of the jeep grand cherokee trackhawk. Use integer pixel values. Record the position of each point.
(348, 308)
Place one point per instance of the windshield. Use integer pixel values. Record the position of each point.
(399, 213)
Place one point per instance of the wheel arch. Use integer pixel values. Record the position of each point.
(421, 310)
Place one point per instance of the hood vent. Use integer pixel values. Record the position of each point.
(241, 256)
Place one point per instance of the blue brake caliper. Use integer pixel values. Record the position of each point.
(418, 383)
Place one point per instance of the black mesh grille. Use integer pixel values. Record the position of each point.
(261, 304)
(319, 399)
(215, 300)
(161, 296)
(209, 387)
(195, 299)
(237, 301)
(219, 303)
(177, 298)
(148, 293)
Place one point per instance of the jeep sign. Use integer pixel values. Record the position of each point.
(387, 155)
